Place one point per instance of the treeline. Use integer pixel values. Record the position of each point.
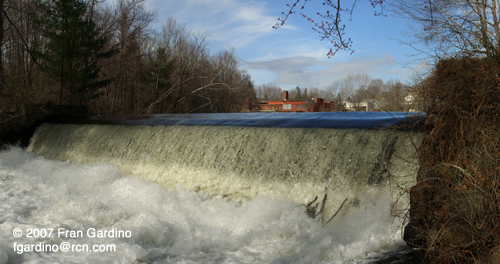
(358, 87)
(270, 91)
(354, 88)
(106, 56)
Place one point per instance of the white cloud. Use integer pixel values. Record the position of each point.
(233, 22)
(312, 72)
(290, 56)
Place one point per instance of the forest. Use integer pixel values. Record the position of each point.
(107, 57)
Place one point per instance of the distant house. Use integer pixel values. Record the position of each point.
(410, 99)
(411, 103)
(285, 105)
(363, 105)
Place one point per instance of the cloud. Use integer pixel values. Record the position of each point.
(290, 56)
(234, 22)
(312, 72)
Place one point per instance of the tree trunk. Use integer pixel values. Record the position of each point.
(1, 43)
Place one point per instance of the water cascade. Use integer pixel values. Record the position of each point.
(361, 165)
(241, 162)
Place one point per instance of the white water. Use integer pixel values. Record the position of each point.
(295, 164)
(176, 226)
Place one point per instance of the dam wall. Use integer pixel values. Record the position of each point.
(280, 156)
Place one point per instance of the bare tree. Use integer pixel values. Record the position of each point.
(454, 27)
(393, 96)
(329, 23)
(153, 72)
(127, 23)
(314, 92)
(375, 88)
(448, 27)
(354, 88)
(269, 91)
(195, 81)
(188, 51)
(335, 88)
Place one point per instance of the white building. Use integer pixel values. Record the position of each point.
(364, 105)
(410, 99)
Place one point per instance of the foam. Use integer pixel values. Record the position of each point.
(241, 163)
(179, 225)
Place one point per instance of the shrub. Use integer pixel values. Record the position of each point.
(459, 175)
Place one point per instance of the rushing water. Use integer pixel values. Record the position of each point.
(175, 226)
(177, 194)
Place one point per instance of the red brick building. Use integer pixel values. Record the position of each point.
(316, 105)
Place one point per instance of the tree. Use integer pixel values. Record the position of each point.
(196, 81)
(375, 88)
(454, 28)
(393, 97)
(73, 49)
(157, 77)
(154, 72)
(335, 88)
(355, 88)
(1, 43)
(447, 27)
(269, 91)
(313, 92)
(331, 26)
(130, 22)
(298, 96)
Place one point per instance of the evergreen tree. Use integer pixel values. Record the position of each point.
(71, 49)
(298, 96)
(305, 96)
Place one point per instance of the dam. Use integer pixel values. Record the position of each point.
(221, 188)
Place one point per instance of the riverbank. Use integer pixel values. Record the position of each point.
(17, 125)
(455, 209)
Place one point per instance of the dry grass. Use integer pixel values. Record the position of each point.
(459, 176)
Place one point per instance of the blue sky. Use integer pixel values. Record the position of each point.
(294, 55)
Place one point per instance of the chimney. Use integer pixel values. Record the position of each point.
(285, 95)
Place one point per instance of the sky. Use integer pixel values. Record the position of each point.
(294, 55)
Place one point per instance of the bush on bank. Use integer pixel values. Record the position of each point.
(456, 203)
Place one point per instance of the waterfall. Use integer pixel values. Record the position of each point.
(243, 162)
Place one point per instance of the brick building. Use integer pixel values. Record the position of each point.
(285, 105)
